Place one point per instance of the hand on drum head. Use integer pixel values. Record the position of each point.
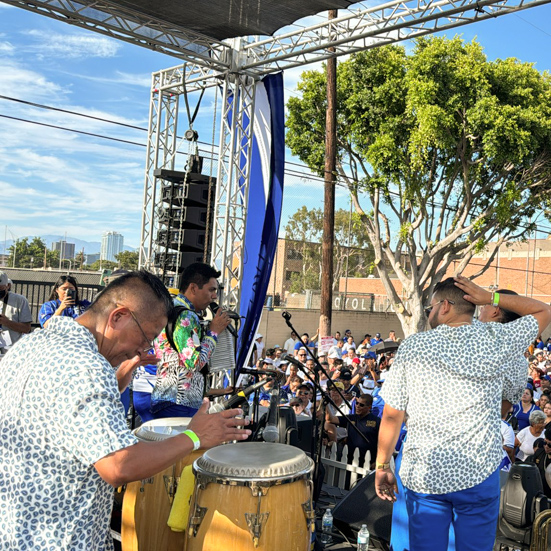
(216, 428)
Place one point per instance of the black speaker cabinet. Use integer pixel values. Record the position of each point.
(362, 506)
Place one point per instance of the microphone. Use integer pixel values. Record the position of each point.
(271, 431)
(249, 371)
(239, 398)
(286, 315)
(292, 360)
(233, 315)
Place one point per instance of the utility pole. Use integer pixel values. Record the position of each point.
(326, 307)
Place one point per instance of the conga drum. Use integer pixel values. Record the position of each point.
(251, 496)
(146, 504)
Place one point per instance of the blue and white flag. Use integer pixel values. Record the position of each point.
(264, 206)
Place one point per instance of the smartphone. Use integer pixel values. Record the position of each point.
(72, 294)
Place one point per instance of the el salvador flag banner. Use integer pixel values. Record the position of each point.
(264, 206)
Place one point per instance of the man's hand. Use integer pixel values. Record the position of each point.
(385, 484)
(473, 293)
(216, 428)
(125, 371)
(220, 321)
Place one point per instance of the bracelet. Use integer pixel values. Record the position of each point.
(495, 299)
(382, 466)
(194, 439)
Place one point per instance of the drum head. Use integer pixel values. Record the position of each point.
(254, 460)
(161, 429)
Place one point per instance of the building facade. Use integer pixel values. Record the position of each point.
(523, 267)
(112, 243)
(66, 250)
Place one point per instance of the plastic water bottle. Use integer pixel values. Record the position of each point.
(363, 539)
(327, 527)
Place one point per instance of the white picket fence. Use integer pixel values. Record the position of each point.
(335, 471)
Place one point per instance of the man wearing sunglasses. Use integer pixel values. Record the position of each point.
(367, 423)
(453, 478)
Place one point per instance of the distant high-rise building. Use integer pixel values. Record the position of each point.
(91, 258)
(112, 243)
(66, 250)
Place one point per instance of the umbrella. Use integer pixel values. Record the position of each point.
(385, 346)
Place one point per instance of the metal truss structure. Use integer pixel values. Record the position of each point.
(236, 66)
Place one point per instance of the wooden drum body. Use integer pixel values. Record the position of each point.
(251, 496)
(147, 503)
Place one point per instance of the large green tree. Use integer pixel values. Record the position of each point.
(442, 150)
(33, 254)
(352, 253)
(127, 260)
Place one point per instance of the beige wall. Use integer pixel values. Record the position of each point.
(275, 331)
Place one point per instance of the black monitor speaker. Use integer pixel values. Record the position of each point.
(362, 506)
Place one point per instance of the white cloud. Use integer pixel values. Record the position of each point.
(6, 48)
(75, 46)
(15, 78)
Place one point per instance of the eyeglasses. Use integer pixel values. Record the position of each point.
(303, 393)
(428, 309)
(359, 404)
(546, 443)
(302, 355)
(151, 347)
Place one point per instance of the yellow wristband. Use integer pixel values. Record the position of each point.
(382, 466)
(194, 438)
(495, 299)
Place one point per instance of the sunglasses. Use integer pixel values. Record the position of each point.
(359, 404)
(428, 309)
(546, 443)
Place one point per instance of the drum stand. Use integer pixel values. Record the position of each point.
(326, 399)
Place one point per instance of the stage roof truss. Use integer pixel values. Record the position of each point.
(354, 30)
(130, 26)
(358, 30)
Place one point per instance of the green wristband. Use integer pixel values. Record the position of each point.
(495, 299)
(194, 439)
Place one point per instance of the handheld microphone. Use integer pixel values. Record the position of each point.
(233, 315)
(249, 371)
(239, 398)
(271, 431)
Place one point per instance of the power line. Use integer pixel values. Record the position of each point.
(312, 177)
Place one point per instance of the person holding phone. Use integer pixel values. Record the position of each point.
(64, 301)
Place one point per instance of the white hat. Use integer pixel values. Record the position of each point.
(258, 336)
(3, 278)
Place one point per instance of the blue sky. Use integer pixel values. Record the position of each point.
(53, 181)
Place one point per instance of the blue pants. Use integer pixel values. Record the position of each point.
(175, 411)
(142, 403)
(473, 512)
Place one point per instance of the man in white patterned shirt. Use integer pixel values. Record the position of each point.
(65, 444)
(453, 449)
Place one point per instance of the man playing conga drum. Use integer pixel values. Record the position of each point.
(65, 444)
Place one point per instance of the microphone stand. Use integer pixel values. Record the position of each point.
(326, 399)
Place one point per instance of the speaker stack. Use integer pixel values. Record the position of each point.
(183, 215)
